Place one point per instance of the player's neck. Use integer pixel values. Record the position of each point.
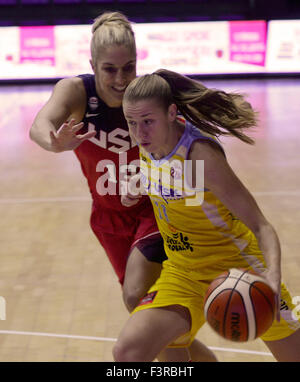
(176, 132)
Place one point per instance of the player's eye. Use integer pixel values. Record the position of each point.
(128, 68)
(131, 123)
(110, 70)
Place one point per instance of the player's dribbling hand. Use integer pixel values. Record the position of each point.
(65, 138)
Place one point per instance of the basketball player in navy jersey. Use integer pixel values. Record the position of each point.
(85, 114)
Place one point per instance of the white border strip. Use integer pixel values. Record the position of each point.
(107, 339)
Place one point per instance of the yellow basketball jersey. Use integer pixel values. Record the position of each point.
(198, 230)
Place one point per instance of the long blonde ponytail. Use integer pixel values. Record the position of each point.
(213, 111)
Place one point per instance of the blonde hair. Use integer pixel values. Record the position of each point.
(111, 28)
(213, 111)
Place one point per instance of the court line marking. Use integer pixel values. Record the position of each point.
(107, 339)
(70, 336)
(240, 351)
(71, 199)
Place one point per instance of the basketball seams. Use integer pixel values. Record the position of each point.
(246, 284)
(244, 301)
(251, 317)
(252, 311)
(245, 309)
(249, 305)
(264, 295)
(209, 304)
(213, 294)
(228, 301)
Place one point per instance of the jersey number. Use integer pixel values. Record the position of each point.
(162, 211)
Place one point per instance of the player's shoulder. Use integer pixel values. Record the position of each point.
(204, 149)
(73, 86)
(70, 93)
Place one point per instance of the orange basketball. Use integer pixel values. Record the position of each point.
(239, 305)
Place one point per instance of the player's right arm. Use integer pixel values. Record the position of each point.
(57, 123)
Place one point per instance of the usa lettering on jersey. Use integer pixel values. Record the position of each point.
(117, 141)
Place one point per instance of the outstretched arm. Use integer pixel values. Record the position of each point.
(57, 123)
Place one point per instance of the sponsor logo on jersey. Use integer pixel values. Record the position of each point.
(93, 103)
(177, 242)
(88, 115)
(283, 305)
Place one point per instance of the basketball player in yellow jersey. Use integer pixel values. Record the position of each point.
(208, 219)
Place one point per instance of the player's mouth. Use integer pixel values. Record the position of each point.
(145, 144)
(119, 90)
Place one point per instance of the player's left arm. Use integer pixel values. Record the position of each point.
(220, 179)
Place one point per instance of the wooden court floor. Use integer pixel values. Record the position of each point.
(62, 299)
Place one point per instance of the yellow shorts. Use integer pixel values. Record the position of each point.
(174, 288)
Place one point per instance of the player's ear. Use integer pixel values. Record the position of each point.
(92, 65)
(172, 112)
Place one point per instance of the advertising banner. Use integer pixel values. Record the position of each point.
(283, 55)
(191, 48)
